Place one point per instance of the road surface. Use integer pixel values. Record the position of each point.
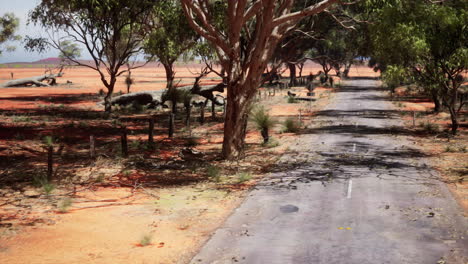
(355, 191)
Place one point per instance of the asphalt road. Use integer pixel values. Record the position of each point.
(355, 190)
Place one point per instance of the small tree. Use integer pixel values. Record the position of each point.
(111, 32)
(171, 36)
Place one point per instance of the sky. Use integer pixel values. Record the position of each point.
(21, 8)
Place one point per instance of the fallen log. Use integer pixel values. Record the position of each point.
(154, 98)
(305, 99)
(37, 81)
(151, 98)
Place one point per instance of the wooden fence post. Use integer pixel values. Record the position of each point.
(124, 142)
(151, 131)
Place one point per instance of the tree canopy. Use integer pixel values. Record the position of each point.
(9, 24)
(429, 41)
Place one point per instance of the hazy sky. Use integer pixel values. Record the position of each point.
(21, 8)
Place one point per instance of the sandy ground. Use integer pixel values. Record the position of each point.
(447, 154)
(116, 214)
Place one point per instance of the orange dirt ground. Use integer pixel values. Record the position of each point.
(447, 154)
(107, 221)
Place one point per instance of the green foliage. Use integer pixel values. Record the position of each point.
(40, 181)
(243, 177)
(292, 100)
(214, 173)
(112, 32)
(272, 143)
(48, 141)
(262, 118)
(146, 240)
(9, 24)
(69, 51)
(429, 127)
(176, 95)
(290, 126)
(64, 205)
(394, 76)
(428, 40)
(172, 35)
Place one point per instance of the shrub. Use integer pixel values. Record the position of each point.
(462, 149)
(263, 122)
(450, 148)
(48, 141)
(48, 188)
(64, 205)
(214, 173)
(272, 143)
(290, 126)
(292, 100)
(429, 127)
(146, 240)
(244, 176)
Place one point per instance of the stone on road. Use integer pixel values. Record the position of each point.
(356, 191)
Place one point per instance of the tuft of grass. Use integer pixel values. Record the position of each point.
(450, 148)
(100, 178)
(429, 127)
(146, 240)
(214, 173)
(243, 177)
(292, 100)
(290, 126)
(48, 188)
(262, 118)
(64, 205)
(462, 149)
(48, 141)
(263, 121)
(21, 119)
(40, 181)
(272, 143)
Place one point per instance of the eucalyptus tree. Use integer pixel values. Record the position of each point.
(429, 40)
(170, 37)
(245, 42)
(111, 32)
(9, 24)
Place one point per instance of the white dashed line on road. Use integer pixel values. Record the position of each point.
(350, 188)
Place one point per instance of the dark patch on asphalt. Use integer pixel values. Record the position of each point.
(289, 208)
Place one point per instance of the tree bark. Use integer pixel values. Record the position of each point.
(168, 67)
(292, 74)
(436, 100)
(235, 124)
(124, 142)
(265, 136)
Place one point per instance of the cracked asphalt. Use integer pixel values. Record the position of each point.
(355, 190)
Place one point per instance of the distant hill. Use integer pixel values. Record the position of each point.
(47, 61)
